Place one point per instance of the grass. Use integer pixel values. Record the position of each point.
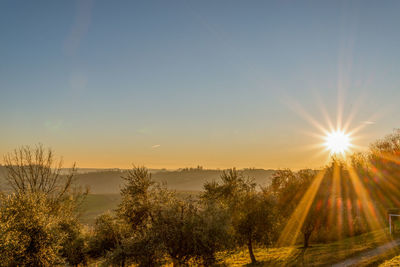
(316, 255)
(393, 262)
(97, 204)
(382, 258)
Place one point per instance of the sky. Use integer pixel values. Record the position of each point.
(170, 84)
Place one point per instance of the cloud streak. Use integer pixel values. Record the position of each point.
(80, 27)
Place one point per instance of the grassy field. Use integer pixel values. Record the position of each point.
(316, 255)
(96, 204)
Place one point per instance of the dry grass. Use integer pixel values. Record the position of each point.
(316, 255)
(393, 262)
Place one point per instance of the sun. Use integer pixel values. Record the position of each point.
(338, 142)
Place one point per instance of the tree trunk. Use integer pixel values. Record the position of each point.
(306, 238)
(177, 262)
(250, 247)
(209, 260)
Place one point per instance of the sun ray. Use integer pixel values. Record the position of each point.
(292, 229)
(366, 202)
(337, 195)
(325, 114)
(310, 119)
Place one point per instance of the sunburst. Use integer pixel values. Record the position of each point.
(338, 142)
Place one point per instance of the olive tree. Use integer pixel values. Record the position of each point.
(164, 225)
(251, 213)
(29, 231)
(34, 212)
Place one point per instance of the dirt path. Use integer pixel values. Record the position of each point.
(368, 254)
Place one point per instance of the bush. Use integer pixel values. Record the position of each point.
(30, 232)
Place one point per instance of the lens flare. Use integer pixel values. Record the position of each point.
(338, 142)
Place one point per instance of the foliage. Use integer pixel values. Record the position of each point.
(251, 213)
(141, 197)
(114, 240)
(37, 219)
(213, 232)
(74, 248)
(30, 233)
(189, 231)
(107, 235)
(288, 188)
(163, 224)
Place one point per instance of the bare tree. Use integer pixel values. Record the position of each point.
(36, 170)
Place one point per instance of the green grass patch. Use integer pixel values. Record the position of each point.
(97, 204)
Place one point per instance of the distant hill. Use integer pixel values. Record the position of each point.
(87, 170)
(2, 179)
(105, 185)
(110, 181)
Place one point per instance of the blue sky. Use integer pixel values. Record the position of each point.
(182, 83)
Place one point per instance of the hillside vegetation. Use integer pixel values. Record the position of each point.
(188, 179)
(193, 179)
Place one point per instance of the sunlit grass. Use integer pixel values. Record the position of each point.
(316, 255)
(394, 262)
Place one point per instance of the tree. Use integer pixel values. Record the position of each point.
(74, 248)
(251, 214)
(175, 226)
(109, 239)
(284, 186)
(141, 196)
(142, 201)
(36, 170)
(255, 222)
(191, 231)
(389, 144)
(165, 225)
(29, 231)
(289, 187)
(311, 223)
(41, 202)
(213, 233)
